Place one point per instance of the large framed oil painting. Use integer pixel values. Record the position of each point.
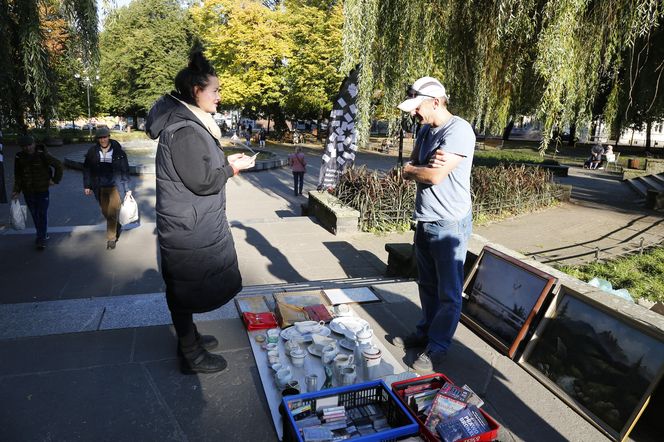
(502, 295)
(604, 365)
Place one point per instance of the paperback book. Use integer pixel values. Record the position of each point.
(466, 423)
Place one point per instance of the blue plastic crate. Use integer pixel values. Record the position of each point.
(368, 393)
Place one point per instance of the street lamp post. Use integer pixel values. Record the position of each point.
(88, 82)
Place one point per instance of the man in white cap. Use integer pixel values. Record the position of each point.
(440, 165)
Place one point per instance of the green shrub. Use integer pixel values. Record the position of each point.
(386, 201)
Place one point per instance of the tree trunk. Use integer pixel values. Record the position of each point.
(508, 130)
(267, 131)
(648, 130)
(572, 134)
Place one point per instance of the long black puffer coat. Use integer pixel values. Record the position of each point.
(198, 258)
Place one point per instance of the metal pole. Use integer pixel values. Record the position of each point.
(400, 147)
(87, 83)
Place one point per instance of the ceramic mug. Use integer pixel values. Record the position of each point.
(297, 356)
(348, 375)
(273, 336)
(283, 377)
(273, 357)
(340, 361)
(309, 326)
(329, 352)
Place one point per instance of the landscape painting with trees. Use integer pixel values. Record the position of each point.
(603, 364)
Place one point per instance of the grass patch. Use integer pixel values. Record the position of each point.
(641, 275)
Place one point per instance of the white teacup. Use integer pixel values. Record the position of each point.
(297, 356)
(329, 352)
(283, 376)
(340, 361)
(348, 375)
(272, 346)
(273, 357)
(276, 367)
(364, 336)
(309, 326)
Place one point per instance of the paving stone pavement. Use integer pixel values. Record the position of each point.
(87, 349)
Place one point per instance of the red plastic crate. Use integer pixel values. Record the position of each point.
(439, 378)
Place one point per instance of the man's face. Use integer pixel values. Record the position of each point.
(424, 112)
(104, 141)
(30, 148)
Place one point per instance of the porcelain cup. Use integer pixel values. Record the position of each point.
(348, 375)
(273, 357)
(364, 335)
(340, 361)
(276, 367)
(309, 326)
(297, 356)
(273, 336)
(272, 347)
(283, 377)
(328, 353)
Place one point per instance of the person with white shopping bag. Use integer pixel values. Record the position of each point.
(106, 176)
(34, 172)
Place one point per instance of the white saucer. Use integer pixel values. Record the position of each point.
(348, 325)
(313, 351)
(347, 344)
(291, 332)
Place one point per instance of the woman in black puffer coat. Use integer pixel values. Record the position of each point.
(198, 258)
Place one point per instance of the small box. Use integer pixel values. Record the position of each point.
(438, 380)
(375, 394)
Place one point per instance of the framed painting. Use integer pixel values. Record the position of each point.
(603, 364)
(502, 295)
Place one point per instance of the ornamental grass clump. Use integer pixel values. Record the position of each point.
(385, 200)
(510, 189)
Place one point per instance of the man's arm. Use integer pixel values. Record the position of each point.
(432, 174)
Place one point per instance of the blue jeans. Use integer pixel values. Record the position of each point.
(440, 248)
(37, 203)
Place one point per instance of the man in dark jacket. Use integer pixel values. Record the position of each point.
(106, 175)
(34, 171)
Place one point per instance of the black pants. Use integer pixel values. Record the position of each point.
(298, 182)
(184, 325)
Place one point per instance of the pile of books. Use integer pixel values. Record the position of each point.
(448, 411)
(339, 423)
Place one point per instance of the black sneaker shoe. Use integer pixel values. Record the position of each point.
(201, 361)
(208, 342)
(413, 340)
(110, 245)
(40, 244)
(429, 361)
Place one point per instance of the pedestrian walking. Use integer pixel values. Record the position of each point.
(262, 136)
(34, 172)
(298, 165)
(106, 176)
(198, 259)
(440, 165)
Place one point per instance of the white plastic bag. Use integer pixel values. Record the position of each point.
(18, 215)
(606, 286)
(128, 210)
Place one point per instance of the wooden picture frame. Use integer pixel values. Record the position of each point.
(603, 365)
(502, 295)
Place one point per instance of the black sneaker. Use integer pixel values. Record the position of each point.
(413, 340)
(40, 244)
(110, 245)
(428, 361)
(201, 361)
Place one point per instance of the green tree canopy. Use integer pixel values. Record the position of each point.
(26, 66)
(143, 46)
(498, 57)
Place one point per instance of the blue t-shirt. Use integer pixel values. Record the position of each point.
(448, 200)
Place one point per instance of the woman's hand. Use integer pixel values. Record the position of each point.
(87, 191)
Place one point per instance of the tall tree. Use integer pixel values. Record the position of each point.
(496, 55)
(25, 69)
(143, 46)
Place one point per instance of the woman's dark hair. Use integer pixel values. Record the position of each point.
(195, 74)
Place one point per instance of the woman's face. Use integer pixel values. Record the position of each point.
(207, 98)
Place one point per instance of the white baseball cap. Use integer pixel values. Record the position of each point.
(425, 87)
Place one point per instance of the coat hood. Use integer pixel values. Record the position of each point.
(166, 111)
